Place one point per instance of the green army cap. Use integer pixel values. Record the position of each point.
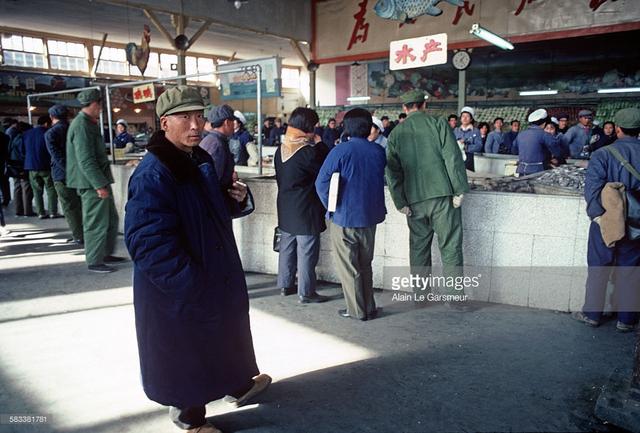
(179, 99)
(628, 118)
(88, 96)
(413, 96)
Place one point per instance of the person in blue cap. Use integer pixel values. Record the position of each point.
(56, 140)
(618, 162)
(577, 139)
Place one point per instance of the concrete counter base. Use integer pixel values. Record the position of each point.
(532, 248)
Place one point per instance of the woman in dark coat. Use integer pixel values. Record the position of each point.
(190, 295)
(300, 211)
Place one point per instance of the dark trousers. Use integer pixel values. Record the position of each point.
(625, 258)
(191, 417)
(298, 253)
(23, 196)
(354, 249)
(5, 189)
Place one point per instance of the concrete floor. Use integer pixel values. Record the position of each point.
(68, 352)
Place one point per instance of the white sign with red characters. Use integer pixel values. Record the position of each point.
(144, 93)
(418, 52)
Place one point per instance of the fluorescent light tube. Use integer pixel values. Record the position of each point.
(490, 37)
(621, 90)
(539, 92)
(358, 98)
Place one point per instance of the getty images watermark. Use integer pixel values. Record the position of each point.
(421, 287)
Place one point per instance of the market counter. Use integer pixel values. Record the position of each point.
(532, 248)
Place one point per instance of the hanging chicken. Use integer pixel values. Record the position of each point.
(139, 55)
(407, 10)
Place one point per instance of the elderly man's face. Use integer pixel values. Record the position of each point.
(183, 129)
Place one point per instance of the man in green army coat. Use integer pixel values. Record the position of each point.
(427, 180)
(89, 172)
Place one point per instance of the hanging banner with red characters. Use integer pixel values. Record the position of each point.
(144, 93)
(418, 52)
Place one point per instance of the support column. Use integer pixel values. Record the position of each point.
(462, 89)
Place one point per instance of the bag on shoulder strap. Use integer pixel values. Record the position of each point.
(633, 198)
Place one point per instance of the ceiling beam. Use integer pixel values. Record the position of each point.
(299, 52)
(154, 20)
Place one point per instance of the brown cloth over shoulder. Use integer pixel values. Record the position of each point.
(612, 222)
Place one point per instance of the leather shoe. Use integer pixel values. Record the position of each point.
(286, 291)
(374, 314)
(343, 313)
(207, 428)
(313, 299)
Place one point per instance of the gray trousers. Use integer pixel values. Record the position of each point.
(354, 254)
(298, 253)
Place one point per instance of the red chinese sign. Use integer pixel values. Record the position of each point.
(595, 4)
(432, 49)
(144, 93)
(523, 3)
(361, 27)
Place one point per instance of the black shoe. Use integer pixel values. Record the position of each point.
(288, 291)
(55, 215)
(101, 269)
(374, 314)
(313, 299)
(75, 241)
(30, 214)
(20, 214)
(343, 313)
(114, 259)
(43, 216)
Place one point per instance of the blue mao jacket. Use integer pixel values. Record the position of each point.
(534, 148)
(121, 140)
(360, 163)
(495, 139)
(36, 154)
(575, 139)
(189, 291)
(471, 137)
(238, 146)
(604, 167)
(56, 140)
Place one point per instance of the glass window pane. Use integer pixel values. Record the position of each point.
(191, 65)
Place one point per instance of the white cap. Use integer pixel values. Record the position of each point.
(122, 122)
(555, 120)
(539, 114)
(378, 123)
(468, 110)
(238, 115)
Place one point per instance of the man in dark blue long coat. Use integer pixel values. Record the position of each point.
(603, 168)
(190, 295)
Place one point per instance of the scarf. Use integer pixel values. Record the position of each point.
(294, 140)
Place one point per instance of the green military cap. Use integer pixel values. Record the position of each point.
(179, 99)
(628, 118)
(413, 96)
(88, 96)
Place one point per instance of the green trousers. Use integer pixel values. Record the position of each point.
(71, 207)
(100, 224)
(40, 181)
(436, 215)
(354, 254)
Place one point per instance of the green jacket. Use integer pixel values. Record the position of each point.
(88, 166)
(424, 161)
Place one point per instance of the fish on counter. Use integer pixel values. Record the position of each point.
(408, 10)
